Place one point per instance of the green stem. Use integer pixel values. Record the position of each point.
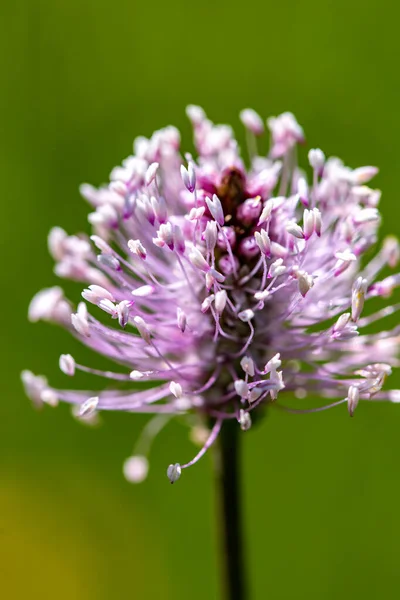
(229, 492)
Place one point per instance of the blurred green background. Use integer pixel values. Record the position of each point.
(80, 79)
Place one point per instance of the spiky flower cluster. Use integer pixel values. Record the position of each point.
(224, 286)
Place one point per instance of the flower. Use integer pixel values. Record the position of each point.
(223, 286)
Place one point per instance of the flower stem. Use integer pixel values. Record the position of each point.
(228, 482)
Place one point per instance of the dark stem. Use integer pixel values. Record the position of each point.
(229, 497)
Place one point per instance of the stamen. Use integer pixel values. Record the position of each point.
(211, 439)
(307, 411)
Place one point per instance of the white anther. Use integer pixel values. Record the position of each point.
(164, 236)
(246, 315)
(346, 255)
(143, 291)
(123, 310)
(151, 173)
(316, 158)
(136, 247)
(160, 209)
(305, 282)
(358, 298)
(135, 469)
(181, 319)
(95, 294)
(174, 472)
(195, 214)
(341, 322)
(55, 242)
(317, 221)
(244, 420)
(363, 174)
(215, 208)
(263, 241)
(105, 215)
(34, 386)
(209, 280)
(185, 177)
(108, 307)
(295, 230)
(175, 389)
(109, 261)
(119, 187)
(263, 295)
(198, 260)
(277, 379)
(211, 235)
(345, 259)
(189, 176)
(49, 397)
(217, 275)
(205, 305)
(220, 301)
(137, 375)
(375, 370)
(391, 250)
(254, 394)
(308, 223)
(247, 365)
(88, 407)
(353, 397)
(394, 396)
(252, 121)
(67, 364)
(266, 212)
(278, 250)
(241, 388)
(142, 328)
(101, 244)
(48, 305)
(196, 114)
(276, 269)
(273, 364)
(386, 286)
(80, 320)
(366, 215)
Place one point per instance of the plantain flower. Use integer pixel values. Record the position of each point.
(223, 287)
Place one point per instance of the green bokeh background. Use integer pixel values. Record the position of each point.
(80, 79)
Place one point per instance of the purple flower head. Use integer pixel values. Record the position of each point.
(222, 286)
